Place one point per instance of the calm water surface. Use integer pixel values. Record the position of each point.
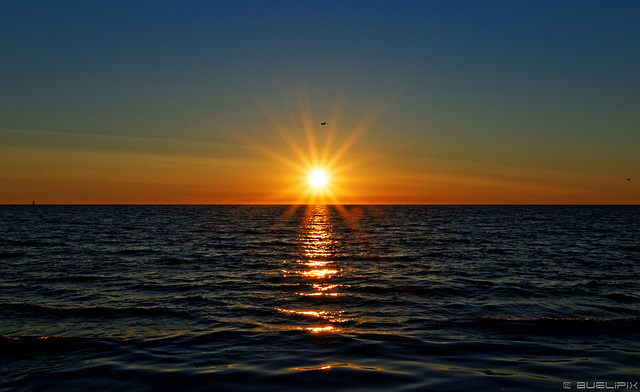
(275, 298)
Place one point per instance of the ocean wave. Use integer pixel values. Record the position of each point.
(38, 345)
(93, 312)
(555, 325)
(12, 254)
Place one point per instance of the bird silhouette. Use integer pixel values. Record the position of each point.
(323, 123)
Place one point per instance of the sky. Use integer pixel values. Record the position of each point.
(221, 102)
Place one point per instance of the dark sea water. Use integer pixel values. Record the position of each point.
(320, 298)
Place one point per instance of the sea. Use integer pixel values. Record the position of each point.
(319, 298)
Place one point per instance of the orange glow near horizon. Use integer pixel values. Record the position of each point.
(71, 168)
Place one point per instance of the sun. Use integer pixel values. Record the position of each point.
(318, 178)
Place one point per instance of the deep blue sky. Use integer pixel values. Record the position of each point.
(473, 88)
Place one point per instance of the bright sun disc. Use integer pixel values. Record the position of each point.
(318, 178)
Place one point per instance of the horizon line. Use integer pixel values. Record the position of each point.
(315, 204)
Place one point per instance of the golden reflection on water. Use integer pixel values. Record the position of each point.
(316, 269)
(316, 234)
(337, 365)
(320, 273)
(322, 329)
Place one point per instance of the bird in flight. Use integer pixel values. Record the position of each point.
(323, 123)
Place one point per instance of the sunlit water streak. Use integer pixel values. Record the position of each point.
(350, 298)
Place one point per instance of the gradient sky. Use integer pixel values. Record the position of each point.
(474, 102)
